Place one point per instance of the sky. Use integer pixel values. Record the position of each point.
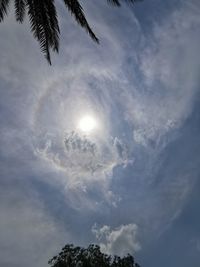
(103, 146)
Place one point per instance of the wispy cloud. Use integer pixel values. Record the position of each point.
(27, 230)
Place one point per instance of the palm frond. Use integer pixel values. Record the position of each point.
(44, 25)
(4, 4)
(43, 19)
(118, 2)
(20, 6)
(114, 2)
(77, 11)
(52, 24)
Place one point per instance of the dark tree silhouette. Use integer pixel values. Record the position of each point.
(71, 256)
(43, 19)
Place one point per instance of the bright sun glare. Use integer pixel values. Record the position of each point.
(87, 124)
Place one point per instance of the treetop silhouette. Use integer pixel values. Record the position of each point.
(72, 256)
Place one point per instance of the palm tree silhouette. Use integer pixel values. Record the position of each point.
(43, 20)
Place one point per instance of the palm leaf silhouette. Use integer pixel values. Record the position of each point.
(44, 25)
(20, 6)
(77, 11)
(4, 4)
(43, 20)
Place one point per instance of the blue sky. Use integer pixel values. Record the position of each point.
(130, 185)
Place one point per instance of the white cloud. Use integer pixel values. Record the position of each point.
(118, 241)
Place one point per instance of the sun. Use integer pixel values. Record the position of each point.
(87, 124)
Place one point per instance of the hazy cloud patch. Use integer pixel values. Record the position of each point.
(27, 230)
